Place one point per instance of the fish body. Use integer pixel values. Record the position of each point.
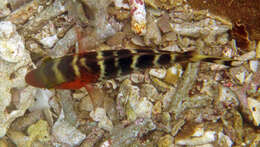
(75, 71)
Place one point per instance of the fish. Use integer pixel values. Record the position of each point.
(77, 70)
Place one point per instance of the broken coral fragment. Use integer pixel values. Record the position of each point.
(208, 137)
(100, 116)
(42, 99)
(254, 107)
(138, 22)
(4, 10)
(11, 43)
(39, 131)
(66, 133)
(125, 136)
(166, 141)
(12, 50)
(121, 4)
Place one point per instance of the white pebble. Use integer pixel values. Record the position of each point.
(11, 43)
(42, 99)
(254, 107)
(253, 65)
(66, 133)
(158, 73)
(98, 114)
(49, 41)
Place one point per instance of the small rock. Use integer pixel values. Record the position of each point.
(254, 107)
(142, 107)
(208, 136)
(254, 65)
(239, 73)
(78, 95)
(131, 103)
(166, 141)
(171, 36)
(100, 116)
(177, 126)
(194, 134)
(130, 114)
(223, 39)
(19, 138)
(158, 73)
(138, 22)
(150, 91)
(106, 124)
(11, 43)
(64, 132)
(137, 77)
(157, 108)
(39, 131)
(160, 84)
(172, 48)
(86, 104)
(4, 10)
(3, 143)
(42, 99)
(173, 74)
(164, 23)
(241, 77)
(153, 34)
(116, 39)
(166, 118)
(49, 41)
(258, 50)
(228, 97)
(121, 4)
(224, 140)
(137, 40)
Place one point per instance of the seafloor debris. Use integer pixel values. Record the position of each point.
(20, 16)
(4, 10)
(99, 115)
(253, 106)
(66, 133)
(235, 11)
(39, 131)
(184, 104)
(183, 88)
(121, 4)
(258, 50)
(14, 62)
(195, 135)
(125, 136)
(138, 13)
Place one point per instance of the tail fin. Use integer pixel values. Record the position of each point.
(194, 57)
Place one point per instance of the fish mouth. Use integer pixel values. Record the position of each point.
(32, 80)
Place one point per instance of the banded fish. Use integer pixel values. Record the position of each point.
(75, 71)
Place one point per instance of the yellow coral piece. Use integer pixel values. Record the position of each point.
(39, 131)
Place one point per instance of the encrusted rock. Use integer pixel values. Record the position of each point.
(166, 141)
(173, 74)
(66, 133)
(194, 134)
(11, 43)
(99, 115)
(14, 62)
(254, 107)
(159, 73)
(39, 131)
